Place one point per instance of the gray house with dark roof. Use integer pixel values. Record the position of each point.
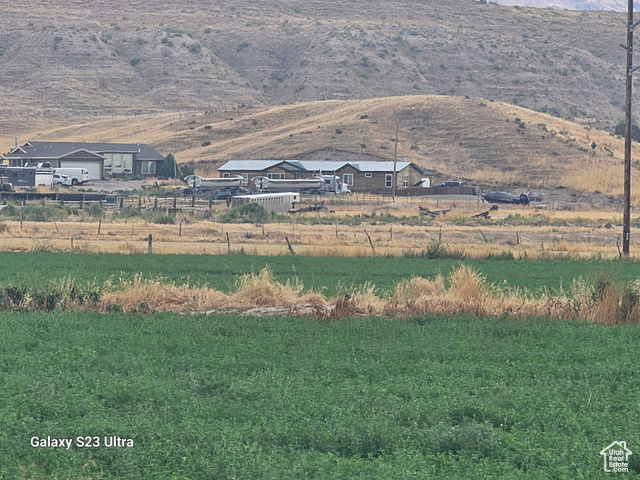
(103, 160)
(360, 176)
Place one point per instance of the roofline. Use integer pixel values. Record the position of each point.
(354, 165)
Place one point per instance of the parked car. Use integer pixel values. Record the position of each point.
(61, 179)
(450, 183)
(457, 183)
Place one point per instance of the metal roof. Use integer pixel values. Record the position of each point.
(46, 150)
(320, 165)
(259, 165)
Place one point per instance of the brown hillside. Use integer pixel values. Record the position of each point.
(489, 143)
(115, 56)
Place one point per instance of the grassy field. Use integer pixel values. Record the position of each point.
(329, 275)
(226, 397)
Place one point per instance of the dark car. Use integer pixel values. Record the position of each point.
(450, 183)
(457, 183)
(504, 197)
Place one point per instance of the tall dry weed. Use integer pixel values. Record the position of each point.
(262, 290)
(150, 295)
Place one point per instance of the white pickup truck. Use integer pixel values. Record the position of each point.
(77, 175)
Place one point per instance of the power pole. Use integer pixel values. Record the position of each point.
(626, 216)
(395, 160)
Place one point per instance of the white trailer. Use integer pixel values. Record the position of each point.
(272, 202)
(44, 177)
(77, 175)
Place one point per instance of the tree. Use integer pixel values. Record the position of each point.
(635, 130)
(186, 169)
(168, 167)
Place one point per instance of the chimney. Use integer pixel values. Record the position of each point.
(16, 142)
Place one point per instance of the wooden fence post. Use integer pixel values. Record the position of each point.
(99, 226)
(289, 245)
(150, 243)
(228, 245)
(373, 249)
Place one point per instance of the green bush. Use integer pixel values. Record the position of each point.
(95, 210)
(164, 220)
(40, 213)
(248, 212)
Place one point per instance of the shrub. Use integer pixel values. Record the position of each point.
(247, 212)
(134, 61)
(164, 220)
(94, 209)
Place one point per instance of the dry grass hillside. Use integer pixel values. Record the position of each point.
(74, 58)
(618, 5)
(492, 144)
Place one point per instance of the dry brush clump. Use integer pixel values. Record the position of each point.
(463, 291)
(151, 295)
(254, 290)
(468, 292)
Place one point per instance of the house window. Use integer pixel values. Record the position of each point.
(118, 163)
(148, 168)
(347, 178)
(226, 175)
(127, 163)
(405, 181)
(368, 175)
(116, 166)
(388, 180)
(275, 176)
(108, 160)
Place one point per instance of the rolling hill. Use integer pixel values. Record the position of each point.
(113, 57)
(616, 5)
(493, 144)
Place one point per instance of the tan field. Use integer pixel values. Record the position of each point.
(520, 231)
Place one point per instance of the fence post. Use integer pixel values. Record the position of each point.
(150, 243)
(289, 245)
(228, 245)
(373, 249)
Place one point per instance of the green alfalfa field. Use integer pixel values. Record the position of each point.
(226, 395)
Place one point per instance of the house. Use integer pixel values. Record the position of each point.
(103, 160)
(361, 176)
(277, 169)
